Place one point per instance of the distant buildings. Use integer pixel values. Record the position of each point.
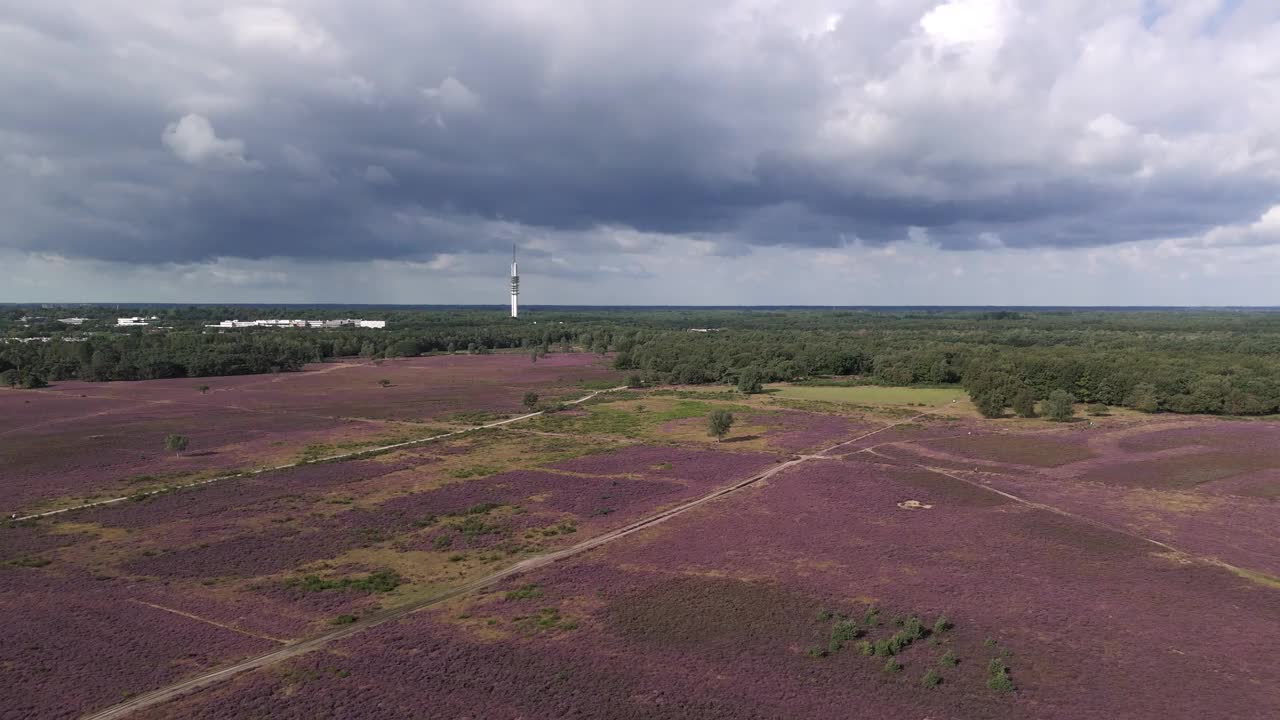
(23, 341)
(347, 322)
(73, 320)
(135, 321)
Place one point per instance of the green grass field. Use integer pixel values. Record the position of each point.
(871, 394)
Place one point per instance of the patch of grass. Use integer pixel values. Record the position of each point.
(474, 526)
(871, 394)
(547, 619)
(475, 417)
(1260, 578)
(343, 620)
(474, 471)
(381, 581)
(524, 592)
(30, 561)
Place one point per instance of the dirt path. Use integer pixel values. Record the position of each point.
(960, 475)
(301, 647)
(330, 458)
(207, 621)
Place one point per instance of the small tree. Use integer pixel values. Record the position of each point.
(1144, 398)
(1024, 403)
(202, 389)
(749, 381)
(1097, 409)
(719, 422)
(530, 400)
(176, 443)
(1061, 406)
(990, 404)
(635, 381)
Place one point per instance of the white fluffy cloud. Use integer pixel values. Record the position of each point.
(193, 140)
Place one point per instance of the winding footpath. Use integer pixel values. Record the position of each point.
(330, 458)
(300, 647)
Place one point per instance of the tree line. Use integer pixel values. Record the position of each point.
(1180, 361)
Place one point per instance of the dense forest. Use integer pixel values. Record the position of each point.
(1172, 361)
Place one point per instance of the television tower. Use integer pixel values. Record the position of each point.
(515, 284)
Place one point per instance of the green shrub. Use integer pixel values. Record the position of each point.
(871, 617)
(524, 592)
(950, 659)
(442, 541)
(843, 632)
(867, 648)
(989, 642)
(343, 620)
(932, 679)
(941, 625)
(817, 652)
(998, 676)
(892, 665)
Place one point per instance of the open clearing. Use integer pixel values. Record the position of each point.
(871, 394)
(926, 566)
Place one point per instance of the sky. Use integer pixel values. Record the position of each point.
(757, 152)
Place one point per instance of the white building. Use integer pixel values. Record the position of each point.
(346, 322)
(135, 321)
(73, 321)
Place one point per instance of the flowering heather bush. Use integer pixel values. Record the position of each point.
(700, 467)
(245, 497)
(104, 453)
(21, 411)
(1208, 434)
(259, 553)
(251, 609)
(583, 496)
(1056, 587)
(1215, 525)
(1038, 450)
(429, 387)
(76, 644)
(21, 540)
(59, 444)
(795, 431)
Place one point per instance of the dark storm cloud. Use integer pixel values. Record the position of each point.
(178, 132)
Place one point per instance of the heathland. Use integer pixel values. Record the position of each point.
(517, 534)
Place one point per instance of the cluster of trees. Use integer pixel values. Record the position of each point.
(1185, 362)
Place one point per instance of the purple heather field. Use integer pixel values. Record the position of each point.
(712, 614)
(726, 611)
(80, 439)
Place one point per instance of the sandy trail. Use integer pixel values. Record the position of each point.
(301, 647)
